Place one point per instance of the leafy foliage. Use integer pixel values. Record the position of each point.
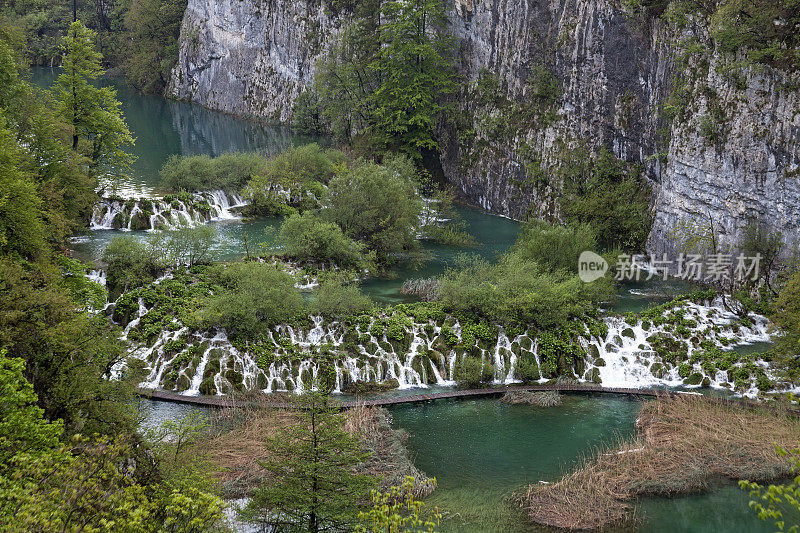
(610, 196)
(775, 502)
(397, 510)
(389, 74)
(555, 248)
(337, 299)
(294, 177)
(201, 173)
(129, 263)
(766, 29)
(309, 238)
(521, 290)
(152, 29)
(251, 298)
(377, 205)
(414, 66)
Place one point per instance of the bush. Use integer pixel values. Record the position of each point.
(252, 297)
(377, 205)
(201, 172)
(307, 237)
(609, 195)
(131, 263)
(294, 177)
(517, 291)
(555, 247)
(753, 25)
(336, 299)
(185, 246)
(472, 372)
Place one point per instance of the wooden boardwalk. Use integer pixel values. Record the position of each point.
(233, 401)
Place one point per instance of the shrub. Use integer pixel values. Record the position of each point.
(295, 177)
(472, 372)
(517, 291)
(609, 195)
(201, 172)
(251, 298)
(307, 237)
(131, 263)
(336, 299)
(377, 205)
(555, 248)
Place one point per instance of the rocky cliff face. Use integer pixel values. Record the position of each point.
(613, 71)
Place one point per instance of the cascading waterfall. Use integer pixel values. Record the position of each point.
(168, 212)
(627, 358)
(624, 356)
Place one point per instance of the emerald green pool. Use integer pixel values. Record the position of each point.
(482, 451)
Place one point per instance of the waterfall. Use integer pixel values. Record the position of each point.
(623, 357)
(169, 212)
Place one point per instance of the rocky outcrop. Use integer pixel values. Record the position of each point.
(613, 70)
(249, 57)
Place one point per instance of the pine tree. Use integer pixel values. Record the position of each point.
(93, 112)
(416, 73)
(313, 485)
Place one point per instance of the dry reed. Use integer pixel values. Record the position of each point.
(541, 399)
(236, 445)
(680, 445)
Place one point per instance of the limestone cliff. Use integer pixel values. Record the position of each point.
(732, 155)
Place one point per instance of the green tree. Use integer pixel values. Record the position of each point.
(312, 486)
(130, 263)
(608, 194)
(21, 226)
(187, 245)
(86, 485)
(397, 511)
(415, 71)
(345, 83)
(295, 177)
(93, 112)
(377, 205)
(786, 315)
(152, 29)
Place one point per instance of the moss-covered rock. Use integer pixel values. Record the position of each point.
(694, 379)
(208, 387)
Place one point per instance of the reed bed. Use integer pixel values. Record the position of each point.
(236, 445)
(427, 289)
(681, 444)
